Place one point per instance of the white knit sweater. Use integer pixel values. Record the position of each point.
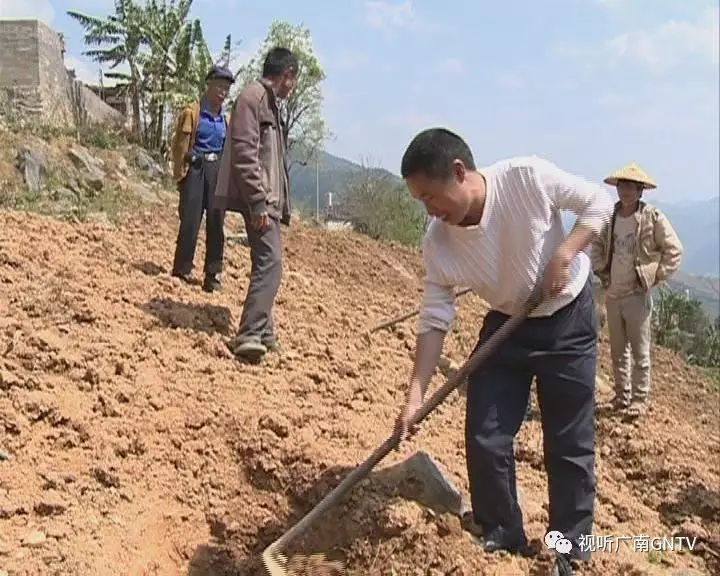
(501, 257)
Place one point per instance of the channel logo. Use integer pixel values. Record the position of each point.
(555, 540)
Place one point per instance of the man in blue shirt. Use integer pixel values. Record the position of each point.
(197, 147)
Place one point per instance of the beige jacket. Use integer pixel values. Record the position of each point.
(658, 250)
(184, 138)
(253, 176)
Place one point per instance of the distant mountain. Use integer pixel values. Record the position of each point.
(697, 223)
(334, 175)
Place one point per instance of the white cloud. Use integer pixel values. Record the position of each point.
(31, 9)
(668, 46)
(452, 66)
(385, 15)
(672, 46)
(510, 81)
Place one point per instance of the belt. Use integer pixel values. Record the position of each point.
(208, 157)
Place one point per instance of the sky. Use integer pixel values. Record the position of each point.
(588, 84)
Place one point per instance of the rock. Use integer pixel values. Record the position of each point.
(34, 539)
(91, 167)
(691, 528)
(107, 479)
(8, 380)
(155, 403)
(58, 531)
(52, 480)
(100, 219)
(9, 507)
(144, 193)
(279, 425)
(4, 456)
(51, 504)
(32, 164)
(122, 165)
(5, 548)
(147, 164)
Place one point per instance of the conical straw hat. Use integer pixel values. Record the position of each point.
(631, 172)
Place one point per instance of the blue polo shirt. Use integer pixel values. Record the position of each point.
(210, 135)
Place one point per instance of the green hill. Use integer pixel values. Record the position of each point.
(334, 176)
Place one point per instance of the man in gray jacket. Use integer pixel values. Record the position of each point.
(253, 180)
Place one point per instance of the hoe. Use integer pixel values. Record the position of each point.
(277, 564)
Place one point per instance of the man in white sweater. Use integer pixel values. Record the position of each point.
(498, 230)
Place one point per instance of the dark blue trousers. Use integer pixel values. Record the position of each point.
(560, 350)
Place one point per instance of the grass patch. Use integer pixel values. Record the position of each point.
(714, 374)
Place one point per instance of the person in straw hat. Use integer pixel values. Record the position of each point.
(638, 249)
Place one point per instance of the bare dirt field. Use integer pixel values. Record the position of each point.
(137, 445)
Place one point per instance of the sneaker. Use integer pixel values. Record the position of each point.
(211, 284)
(637, 408)
(617, 404)
(273, 346)
(250, 350)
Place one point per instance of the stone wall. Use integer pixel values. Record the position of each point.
(55, 85)
(35, 83)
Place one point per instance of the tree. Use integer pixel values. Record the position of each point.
(305, 128)
(165, 51)
(379, 205)
(116, 40)
(177, 60)
(680, 323)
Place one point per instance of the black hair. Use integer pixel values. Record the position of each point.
(433, 151)
(278, 61)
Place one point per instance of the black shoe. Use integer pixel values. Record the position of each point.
(211, 283)
(184, 277)
(564, 565)
(498, 540)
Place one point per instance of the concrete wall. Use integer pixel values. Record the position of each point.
(19, 53)
(35, 84)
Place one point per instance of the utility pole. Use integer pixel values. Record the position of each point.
(317, 187)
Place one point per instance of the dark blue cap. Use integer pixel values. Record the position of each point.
(220, 73)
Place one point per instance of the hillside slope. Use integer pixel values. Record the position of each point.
(332, 175)
(138, 446)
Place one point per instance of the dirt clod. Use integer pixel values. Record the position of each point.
(314, 565)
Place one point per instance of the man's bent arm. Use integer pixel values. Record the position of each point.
(592, 205)
(428, 349)
(436, 316)
(579, 238)
(245, 135)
